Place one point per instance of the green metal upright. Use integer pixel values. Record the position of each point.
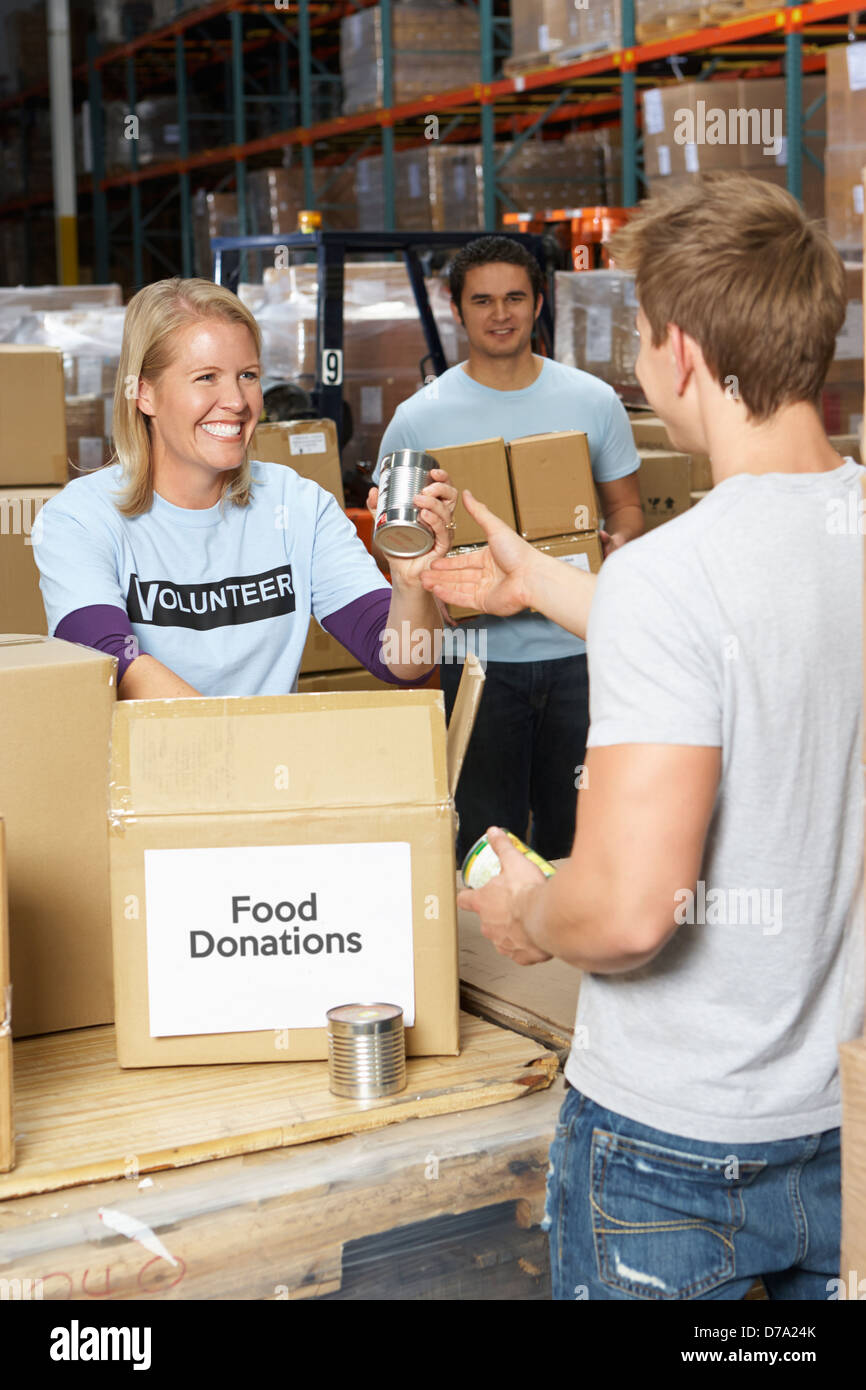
(305, 64)
(794, 110)
(97, 146)
(628, 114)
(183, 147)
(488, 124)
(134, 188)
(385, 13)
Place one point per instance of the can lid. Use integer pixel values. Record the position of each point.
(403, 539)
(364, 1018)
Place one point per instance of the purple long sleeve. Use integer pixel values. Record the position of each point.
(104, 627)
(358, 627)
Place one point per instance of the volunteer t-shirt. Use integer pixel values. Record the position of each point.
(455, 409)
(739, 625)
(223, 595)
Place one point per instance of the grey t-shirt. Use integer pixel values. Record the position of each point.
(739, 626)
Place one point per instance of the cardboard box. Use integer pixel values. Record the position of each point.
(848, 445)
(32, 416)
(665, 485)
(483, 469)
(552, 484)
(301, 796)
(7, 1126)
(848, 358)
(57, 700)
(21, 607)
(844, 183)
(322, 652)
(354, 680)
(308, 446)
(584, 552)
(651, 433)
(852, 1062)
(846, 98)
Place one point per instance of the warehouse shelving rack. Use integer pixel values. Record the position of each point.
(291, 47)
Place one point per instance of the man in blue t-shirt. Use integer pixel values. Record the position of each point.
(529, 740)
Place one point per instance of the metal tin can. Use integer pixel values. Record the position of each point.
(397, 531)
(482, 863)
(366, 1051)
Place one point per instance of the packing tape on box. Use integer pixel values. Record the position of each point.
(6, 1020)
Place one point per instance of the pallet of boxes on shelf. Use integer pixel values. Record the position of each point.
(842, 397)
(554, 32)
(692, 128)
(846, 146)
(275, 196)
(436, 188)
(595, 327)
(436, 47)
(213, 214)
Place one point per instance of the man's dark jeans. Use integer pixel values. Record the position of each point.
(526, 751)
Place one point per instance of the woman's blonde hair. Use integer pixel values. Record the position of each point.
(154, 317)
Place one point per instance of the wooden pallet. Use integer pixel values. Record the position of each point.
(81, 1118)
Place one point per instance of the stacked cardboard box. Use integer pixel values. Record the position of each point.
(651, 434)
(665, 479)
(542, 485)
(353, 849)
(846, 145)
(57, 699)
(436, 47)
(595, 327)
(691, 128)
(658, 19)
(558, 30)
(597, 164)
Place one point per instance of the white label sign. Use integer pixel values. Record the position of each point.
(692, 162)
(653, 114)
(856, 55)
(858, 199)
(90, 376)
(260, 937)
(664, 157)
(599, 333)
(307, 444)
(580, 562)
(371, 405)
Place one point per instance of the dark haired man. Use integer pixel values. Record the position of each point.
(530, 736)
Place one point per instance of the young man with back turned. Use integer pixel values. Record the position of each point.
(713, 896)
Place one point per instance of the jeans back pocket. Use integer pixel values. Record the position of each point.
(664, 1220)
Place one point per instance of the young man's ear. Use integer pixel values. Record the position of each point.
(456, 314)
(679, 346)
(538, 303)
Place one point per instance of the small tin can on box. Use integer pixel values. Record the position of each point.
(397, 531)
(366, 1051)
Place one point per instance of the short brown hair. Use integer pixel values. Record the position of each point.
(153, 319)
(735, 263)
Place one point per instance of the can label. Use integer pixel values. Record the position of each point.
(482, 863)
(382, 501)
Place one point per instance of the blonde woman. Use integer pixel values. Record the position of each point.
(196, 567)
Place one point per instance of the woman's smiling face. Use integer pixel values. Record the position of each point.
(206, 404)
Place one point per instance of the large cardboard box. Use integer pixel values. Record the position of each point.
(32, 416)
(552, 483)
(57, 700)
(852, 1061)
(310, 839)
(308, 446)
(7, 1127)
(21, 607)
(846, 94)
(651, 433)
(665, 485)
(583, 552)
(483, 469)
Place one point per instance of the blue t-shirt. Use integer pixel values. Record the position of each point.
(221, 596)
(455, 409)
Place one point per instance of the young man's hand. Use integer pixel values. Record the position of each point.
(494, 578)
(501, 903)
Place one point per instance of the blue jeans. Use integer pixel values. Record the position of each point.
(635, 1213)
(528, 742)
